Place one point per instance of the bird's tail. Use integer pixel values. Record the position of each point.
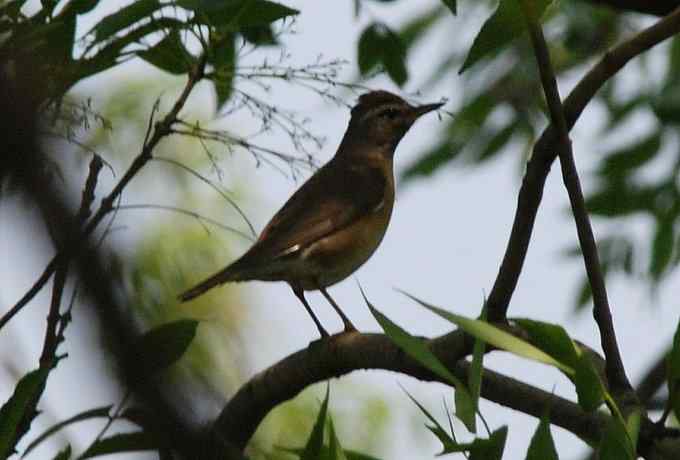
(221, 277)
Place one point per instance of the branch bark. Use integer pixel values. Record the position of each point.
(655, 7)
(544, 153)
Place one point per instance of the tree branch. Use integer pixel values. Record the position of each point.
(544, 154)
(655, 7)
(155, 134)
(616, 373)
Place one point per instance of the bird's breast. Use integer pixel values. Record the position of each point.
(338, 255)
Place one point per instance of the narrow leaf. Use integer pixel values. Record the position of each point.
(504, 25)
(162, 346)
(495, 336)
(13, 412)
(99, 412)
(64, 454)
(542, 446)
(118, 443)
(449, 444)
(123, 18)
(673, 372)
(489, 449)
(335, 450)
(451, 5)
(169, 54)
(315, 442)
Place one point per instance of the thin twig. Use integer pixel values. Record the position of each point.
(616, 373)
(161, 129)
(201, 218)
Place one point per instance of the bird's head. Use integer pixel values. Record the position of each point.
(381, 119)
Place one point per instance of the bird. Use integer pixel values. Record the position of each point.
(336, 220)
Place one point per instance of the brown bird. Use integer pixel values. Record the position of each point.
(335, 221)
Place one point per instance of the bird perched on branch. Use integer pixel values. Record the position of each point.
(335, 221)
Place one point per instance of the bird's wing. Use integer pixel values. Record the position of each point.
(332, 199)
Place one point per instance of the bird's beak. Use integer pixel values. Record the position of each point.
(421, 110)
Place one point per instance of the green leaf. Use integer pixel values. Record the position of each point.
(451, 5)
(662, 247)
(673, 373)
(623, 161)
(223, 59)
(505, 24)
(417, 27)
(589, 387)
(64, 454)
(235, 15)
(542, 446)
(431, 161)
(124, 442)
(621, 199)
(476, 371)
(620, 441)
(162, 346)
(496, 142)
(325, 452)
(169, 54)
(552, 339)
(335, 451)
(123, 18)
(26, 391)
(259, 35)
(315, 442)
(449, 444)
(378, 44)
(495, 336)
(99, 412)
(489, 449)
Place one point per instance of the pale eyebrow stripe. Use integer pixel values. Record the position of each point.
(379, 109)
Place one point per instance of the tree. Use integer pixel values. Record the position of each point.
(512, 70)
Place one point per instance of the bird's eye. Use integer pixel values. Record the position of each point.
(389, 113)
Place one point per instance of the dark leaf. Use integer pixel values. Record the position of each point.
(662, 247)
(476, 371)
(552, 339)
(235, 15)
(325, 452)
(223, 60)
(449, 444)
(432, 160)
(124, 18)
(64, 454)
(505, 24)
(451, 5)
(169, 54)
(673, 373)
(589, 387)
(125, 442)
(622, 161)
(369, 49)
(315, 442)
(13, 412)
(162, 346)
(489, 449)
(335, 450)
(667, 106)
(585, 295)
(394, 56)
(620, 441)
(542, 446)
(619, 198)
(259, 35)
(99, 412)
(497, 142)
(415, 29)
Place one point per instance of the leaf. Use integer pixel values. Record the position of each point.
(619, 441)
(589, 387)
(449, 444)
(162, 346)
(662, 247)
(552, 339)
(495, 336)
(123, 18)
(378, 44)
(505, 24)
(259, 35)
(64, 454)
(497, 142)
(673, 373)
(315, 442)
(622, 161)
(223, 60)
(431, 161)
(97, 412)
(325, 452)
(417, 27)
(451, 5)
(621, 199)
(542, 446)
(476, 371)
(335, 451)
(124, 442)
(13, 412)
(416, 349)
(489, 449)
(235, 15)
(169, 54)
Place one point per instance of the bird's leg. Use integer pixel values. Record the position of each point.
(299, 293)
(349, 327)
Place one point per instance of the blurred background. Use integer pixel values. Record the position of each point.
(458, 176)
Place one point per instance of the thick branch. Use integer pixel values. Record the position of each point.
(544, 154)
(616, 374)
(655, 7)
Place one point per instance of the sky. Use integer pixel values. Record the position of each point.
(444, 244)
